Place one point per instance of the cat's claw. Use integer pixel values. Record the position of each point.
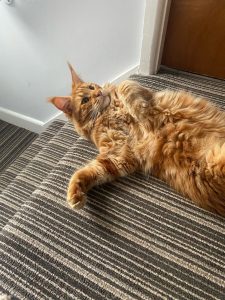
(77, 205)
(76, 199)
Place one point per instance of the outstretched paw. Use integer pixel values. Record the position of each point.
(75, 197)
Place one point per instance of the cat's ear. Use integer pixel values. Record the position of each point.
(63, 103)
(75, 78)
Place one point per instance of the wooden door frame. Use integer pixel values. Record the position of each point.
(155, 24)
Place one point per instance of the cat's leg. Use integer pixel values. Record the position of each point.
(136, 98)
(102, 169)
(204, 183)
(214, 178)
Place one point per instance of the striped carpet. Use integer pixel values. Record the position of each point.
(13, 141)
(19, 189)
(135, 239)
(22, 161)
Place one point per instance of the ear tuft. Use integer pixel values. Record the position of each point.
(75, 78)
(62, 103)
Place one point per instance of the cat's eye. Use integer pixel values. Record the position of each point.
(84, 100)
(91, 87)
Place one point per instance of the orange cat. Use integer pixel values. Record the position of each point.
(175, 136)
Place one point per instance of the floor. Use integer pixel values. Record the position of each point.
(135, 239)
(13, 141)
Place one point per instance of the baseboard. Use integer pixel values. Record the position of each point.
(37, 125)
(125, 75)
(58, 116)
(25, 121)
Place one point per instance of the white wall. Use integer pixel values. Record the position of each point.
(101, 38)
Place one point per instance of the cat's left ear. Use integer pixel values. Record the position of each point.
(63, 103)
(75, 78)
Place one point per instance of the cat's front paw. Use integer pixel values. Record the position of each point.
(76, 198)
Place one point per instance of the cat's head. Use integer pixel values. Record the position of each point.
(86, 103)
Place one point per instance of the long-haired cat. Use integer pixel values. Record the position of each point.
(173, 135)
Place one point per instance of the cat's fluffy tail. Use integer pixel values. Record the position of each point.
(213, 179)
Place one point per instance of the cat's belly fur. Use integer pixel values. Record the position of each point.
(181, 160)
(176, 153)
(165, 153)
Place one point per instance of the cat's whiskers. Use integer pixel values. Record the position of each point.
(93, 114)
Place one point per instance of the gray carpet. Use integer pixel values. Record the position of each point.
(135, 239)
(34, 169)
(13, 141)
(23, 160)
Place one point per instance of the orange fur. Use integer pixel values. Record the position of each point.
(175, 136)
